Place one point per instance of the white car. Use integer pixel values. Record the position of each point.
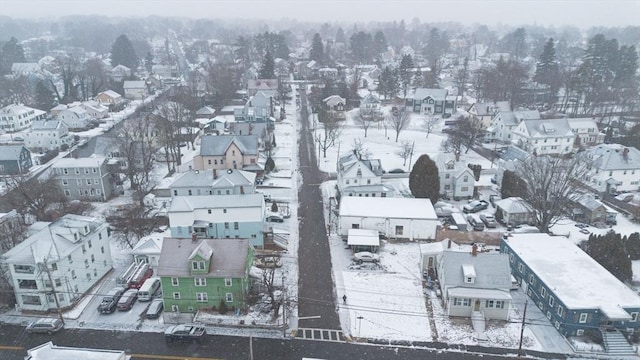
(365, 256)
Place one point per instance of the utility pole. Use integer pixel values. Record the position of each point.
(524, 316)
(53, 286)
(250, 347)
(284, 309)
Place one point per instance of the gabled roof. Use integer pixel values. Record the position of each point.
(370, 99)
(229, 257)
(203, 250)
(46, 125)
(262, 84)
(545, 128)
(491, 270)
(613, 157)
(218, 145)
(513, 118)
(134, 84)
(110, 93)
(206, 110)
(190, 203)
(149, 245)
(588, 201)
(19, 109)
(334, 100)
(491, 108)
(436, 94)
(198, 178)
(11, 152)
(514, 153)
(513, 205)
(459, 167)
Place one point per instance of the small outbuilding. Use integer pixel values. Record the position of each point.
(363, 240)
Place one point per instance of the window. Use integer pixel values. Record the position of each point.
(399, 229)
(86, 263)
(175, 308)
(226, 226)
(634, 316)
(209, 211)
(175, 192)
(228, 282)
(464, 188)
(198, 265)
(65, 182)
(457, 302)
(224, 211)
(229, 297)
(511, 258)
(201, 297)
(585, 316)
(521, 267)
(465, 178)
(560, 311)
(73, 274)
(176, 295)
(67, 193)
(88, 181)
(551, 301)
(174, 281)
(93, 258)
(200, 281)
(31, 300)
(489, 303)
(88, 277)
(235, 226)
(70, 259)
(89, 243)
(579, 332)
(466, 302)
(532, 280)
(355, 226)
(543, 292)
(499, 304)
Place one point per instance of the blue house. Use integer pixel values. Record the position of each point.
(432, 102)
(576, 294)
(14, 159)
(217, 217)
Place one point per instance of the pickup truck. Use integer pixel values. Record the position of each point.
(110, 301)
(184, 332)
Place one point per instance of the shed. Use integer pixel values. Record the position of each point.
(363, 240)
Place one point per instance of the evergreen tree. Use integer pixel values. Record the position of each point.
(406, 72)
(317, 50)
(610, 252)
(274, 207)
(12, 52)
(547, 69)
(388, 83)
(44, 97)
(462, 77)
(379, 43)
(362, 48)
(512, 185)
(340, 38)
(267, 68)
(424, 181)
(269, 165)
(122, 53)
(632, 244)
(148, 62)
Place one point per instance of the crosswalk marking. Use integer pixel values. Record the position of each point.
(320, 334)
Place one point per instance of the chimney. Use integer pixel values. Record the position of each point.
(474, 250)
(449, 244)
(625, 154)
(215, 174)
(457, 156)
(194, 237)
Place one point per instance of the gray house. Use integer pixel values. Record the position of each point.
(475, 282)
(214, 182)
(432, 102)
(259, 108)
(14, 159)
(84, 179)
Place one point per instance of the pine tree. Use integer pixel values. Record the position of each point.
(424, 181)
(610, 252)
(512, 185)
(340, 38)
(379, 43)
(462, 77)
(317, 50)
(269, 165)
(267, 68)
(547, 69)
(45, 100)
(406, 72)
(122, 53)
(388, 83)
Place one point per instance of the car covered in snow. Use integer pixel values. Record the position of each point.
(365, 256)
(185, 332)
(475, 206)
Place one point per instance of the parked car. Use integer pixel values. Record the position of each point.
(110, 301)
(365, 256)
(154, 310)
(127, 300)
(45, 325)
(488, 220)
(184, 332)
(396, 171)
(475, 206)
(275, 218)
(18, 138)
(475, 222)
(585, 231)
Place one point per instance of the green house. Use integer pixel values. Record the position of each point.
(199, 274)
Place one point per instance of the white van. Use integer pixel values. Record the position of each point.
(148, 289)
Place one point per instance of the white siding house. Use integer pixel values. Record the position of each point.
(17, 117)
(48, 135)
(402, 218)
(73, 250)
(613, 167)
(544, 137)
(456, 178)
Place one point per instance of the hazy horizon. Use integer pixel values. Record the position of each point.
(580, 13)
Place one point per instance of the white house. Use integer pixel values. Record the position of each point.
(514, 211)
(505, 121)
(74, 117)
(361, 177)
(148, 250)
(135, 90)
(16, 117)
(69, 255)
(402, 218)
(109, 97)
(544, 137)
(476, 282)
(370, 105)
(95, 110)
(612, 167)
(456, 178)
(483, 113)
(48, 134)
(586, 130)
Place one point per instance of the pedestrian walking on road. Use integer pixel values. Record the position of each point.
(344, 299)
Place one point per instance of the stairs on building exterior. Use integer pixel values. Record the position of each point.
(616, 344)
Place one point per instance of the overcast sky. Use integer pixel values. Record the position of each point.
(582, 13)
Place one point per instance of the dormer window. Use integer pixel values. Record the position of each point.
(198, 265)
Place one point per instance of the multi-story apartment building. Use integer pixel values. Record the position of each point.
(85, 179)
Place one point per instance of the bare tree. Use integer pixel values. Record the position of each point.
(551, 185)
(168, 119)
(399, 120)
(359, 150)
(11, 232)
(274, 292)
(364, 120)
(132, 222)
(39, 197)
(429, 122)
(406, 150)
(462, 136)
(331, 131)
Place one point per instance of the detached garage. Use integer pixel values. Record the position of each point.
(399, 218)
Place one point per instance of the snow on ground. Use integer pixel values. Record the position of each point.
(382, 145)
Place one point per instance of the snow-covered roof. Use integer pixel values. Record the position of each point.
(10, 152)
(436, 94)
(363, 237)
(205, 178)
(513, 205)
(613, 157)
(88, 162)
(190, 203)
(489, 270)
(334, 100)
(218, 145)
(229, 257)
(386, 207)
(576, 278)
(49, 351)
(150, 245)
